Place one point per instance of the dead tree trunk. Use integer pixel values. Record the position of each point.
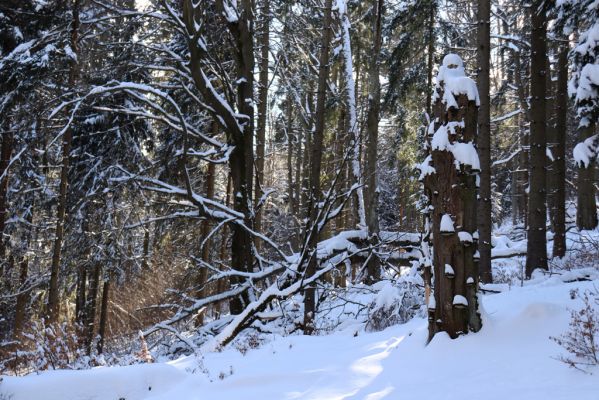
(449, 174)
(536, 254)
(312, 227)
(484, 140)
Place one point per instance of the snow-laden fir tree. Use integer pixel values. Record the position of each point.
(583, 16)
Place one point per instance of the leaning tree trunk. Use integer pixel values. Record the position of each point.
(586, 215)
(536, 252)
(312, 227)
(449, 174)
(53, 308)
(484, 140)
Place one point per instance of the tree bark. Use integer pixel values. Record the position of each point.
(452, 194)
(312, 227)
(558, 187)
(103, 315)
(262, 110)
(22, 300)
(536, 254)
(485, 222)
(430, 55)
(204, 232)
(239, 130)
(372, 129)
(90, 312)
(586, 215)
(53, 308)
(6, 153)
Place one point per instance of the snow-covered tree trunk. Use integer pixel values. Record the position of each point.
(584, 15)
(585, 157)
(354, 132)
(449, 174)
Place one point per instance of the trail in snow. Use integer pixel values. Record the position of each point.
(511, 358)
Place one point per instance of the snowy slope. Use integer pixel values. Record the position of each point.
(511, 358)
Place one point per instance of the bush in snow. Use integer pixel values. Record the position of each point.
(582, 339)
(46, 347)
(396, 303)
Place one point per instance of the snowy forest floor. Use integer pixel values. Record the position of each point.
(512, 357)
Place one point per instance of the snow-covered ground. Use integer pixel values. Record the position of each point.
(512, 357)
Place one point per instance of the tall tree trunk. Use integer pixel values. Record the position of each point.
(80, 294)
(145, 262)
(90, 312)
(372, 129)
(586, 214)
(204, 232)
(312, 227)
(536, 254)
(522, 169)
(103, 315)
(6, 153)
(430, 55)
(559, 154)
(223, 284)
(53, 308)
(262, 110)
(485, 222)
(22, 300)
(551, 135)
(23, 295)
(352, 114)
(306, 160)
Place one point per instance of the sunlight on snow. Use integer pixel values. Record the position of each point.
(361, 373)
